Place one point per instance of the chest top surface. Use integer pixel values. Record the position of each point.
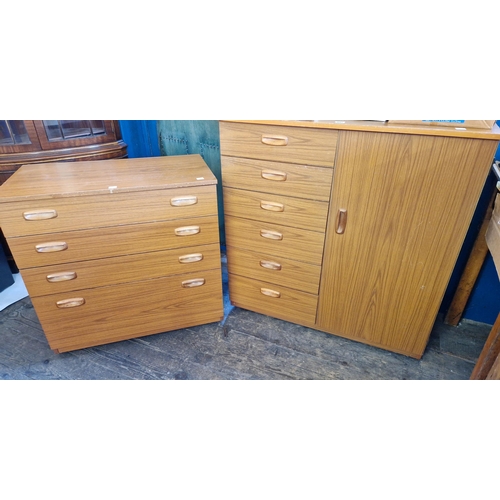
(375, 126)
(83, 178)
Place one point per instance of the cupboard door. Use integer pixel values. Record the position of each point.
(401, 206)
(18, 136)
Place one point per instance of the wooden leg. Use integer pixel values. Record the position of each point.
(471, 272)
(489, 354)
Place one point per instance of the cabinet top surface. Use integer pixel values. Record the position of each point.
(67, 179)
(378, 126)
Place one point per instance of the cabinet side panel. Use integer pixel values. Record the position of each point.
(409, 201)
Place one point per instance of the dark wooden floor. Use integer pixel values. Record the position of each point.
(245, 346)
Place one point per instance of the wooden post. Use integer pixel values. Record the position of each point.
(489, 354)
(471, 272)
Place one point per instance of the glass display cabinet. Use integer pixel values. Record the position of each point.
(40, 141)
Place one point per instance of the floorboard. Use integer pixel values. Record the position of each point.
(245, 346)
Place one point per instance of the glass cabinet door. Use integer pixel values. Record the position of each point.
(17, 136)
(56, 134)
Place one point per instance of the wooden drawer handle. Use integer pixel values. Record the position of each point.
(191, 257)
(193, 283)
(341, 221)
(273, 175)
(272, 206)
(187, 230)
(270, 293)
(40, 215)
(54, 246)
(77, 301)
(268, 264)
(63, 276)
(275, 140)
(183, 201)
(271, 235)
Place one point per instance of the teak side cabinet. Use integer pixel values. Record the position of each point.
(115, 249)
(349, 228)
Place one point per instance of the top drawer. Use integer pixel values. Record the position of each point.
(288, 144)
(30, 217)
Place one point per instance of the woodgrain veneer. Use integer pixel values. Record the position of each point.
(112, 250)
(402, 198)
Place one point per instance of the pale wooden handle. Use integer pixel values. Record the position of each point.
(271, 235)
(270, 293)
(272, 206)
(54, 246)
(341, 221)
(77, 301)
(273, 175)
(40, 215)
(268, 264)
(275, 140)
(183, 201)
(187, 230)
(193, 283)
(192, 257)
(63, 276)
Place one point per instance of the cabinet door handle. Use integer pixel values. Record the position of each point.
(75, 302)
(193, 283)
(183, 201)
(63, 276)
(40, 215)
(271, 235)
(268, 264)
(273, 175)
(187, 230)
(54, 246)
(275, 140)
(270, 293)
(272, 206)
(191, 257)
(341, 221)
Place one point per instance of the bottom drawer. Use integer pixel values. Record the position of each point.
(276, 301)
(120, 312)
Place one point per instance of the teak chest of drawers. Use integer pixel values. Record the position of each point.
(350, 228)
(116, 249)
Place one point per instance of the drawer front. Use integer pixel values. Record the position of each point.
(278, 178)
(271, 239)
(68, 214)
(287, 144)
(115, 270)
(74, 246)
(108, 314)
(278, 302)
(274, 269)
(276, 209)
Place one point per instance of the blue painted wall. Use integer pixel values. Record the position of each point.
(167, 137)
(141, 138)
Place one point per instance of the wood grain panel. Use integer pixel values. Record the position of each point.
(301, 181)
(409, 200)
(303, 146)
(105, 210)
(49, 180)
(295, 212)
(290, 305)
(295, 244)
(130, 310)
(383, 127)
(122, 269)
(90, 244)
(274, 269)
